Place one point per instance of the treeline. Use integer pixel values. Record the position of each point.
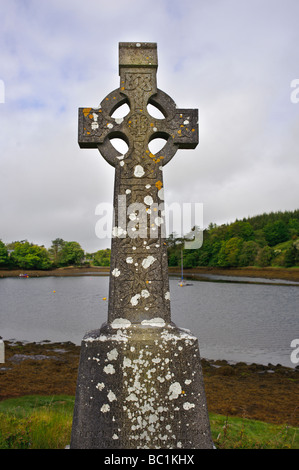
(264, 240)
(25, 255)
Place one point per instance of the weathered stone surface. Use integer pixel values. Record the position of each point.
(140, 383)
(142, 389)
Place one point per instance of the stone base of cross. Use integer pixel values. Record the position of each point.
(140, 388)
(140, 383)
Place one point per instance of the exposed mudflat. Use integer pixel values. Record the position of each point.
(267, 393)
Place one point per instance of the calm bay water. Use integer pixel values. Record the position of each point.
(233, 321)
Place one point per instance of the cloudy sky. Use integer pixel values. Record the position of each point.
(234, 60)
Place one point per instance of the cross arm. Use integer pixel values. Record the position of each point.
(96, 123)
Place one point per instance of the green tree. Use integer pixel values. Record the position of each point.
(29, 256)
(229, 252)
(71, 254)
(189, 258)
(291, 257)
(102, 257)
(4, 258)
(241, 229)
(264, 256)
(248, 253)
(293, 227)
(276, 232)
(173, 260)
(56, 250)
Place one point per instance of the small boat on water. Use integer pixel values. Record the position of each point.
(23, 275)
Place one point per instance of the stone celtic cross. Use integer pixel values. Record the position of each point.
(139, 287)
(140, 383)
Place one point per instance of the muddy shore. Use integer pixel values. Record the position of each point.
(290, 274)
(267, 393)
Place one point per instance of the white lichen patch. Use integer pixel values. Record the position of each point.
(115, 436)
(109, 369)
(127, 362)
(105, 408)
(94, 126)
(132, 397)
(154, 322)
(112, 355)
(148, 200)
(133, 216)
(147, 262)
(174, 391)
(138, 171)
(111, 396)
(118, 232)
(120, 323)
(129, 260)
(159, 221)
(167, 296)
(161, 193)
(145, 293)
(188, 381)
(134, 299)
(118, 120)
(100, 386)
(115, 272)
(188, 406)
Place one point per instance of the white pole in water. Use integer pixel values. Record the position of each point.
(2, 351)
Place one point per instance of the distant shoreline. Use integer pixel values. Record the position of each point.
(290, 274)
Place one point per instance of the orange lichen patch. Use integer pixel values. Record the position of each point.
(86, 111)
(152, 124)
(88, 133)
(107, 99)
(179, 131)
(152, 155)
(159, 184)
(182, 125)
(122, 88)
(146, 282)
(193, 130)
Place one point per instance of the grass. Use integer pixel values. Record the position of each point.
(42, 422)
(36, 422)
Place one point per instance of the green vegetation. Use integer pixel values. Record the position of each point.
(42, 422)
(264, 240)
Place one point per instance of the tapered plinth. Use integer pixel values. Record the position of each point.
(140, 387)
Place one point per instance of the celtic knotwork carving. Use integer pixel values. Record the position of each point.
(138, 80)
(138, 124)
